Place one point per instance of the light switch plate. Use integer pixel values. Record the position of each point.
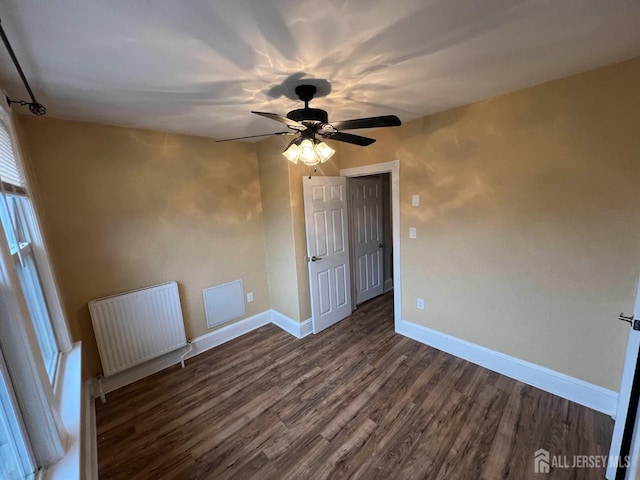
(412, 232)
(250, 297)
(420, 304)
(415, 200)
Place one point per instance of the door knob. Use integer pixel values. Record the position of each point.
(624, 318)
(380, 245)
(315, 259)
(635, 323)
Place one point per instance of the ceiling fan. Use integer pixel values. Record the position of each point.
(309, 123)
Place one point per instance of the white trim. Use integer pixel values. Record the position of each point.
(69, 405)
(90, 431)
(306, 327)
(289, 325)
(573, 389)
(392, 167)
(229, 332)
(47, 280)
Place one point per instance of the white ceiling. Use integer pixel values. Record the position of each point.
(200, 67)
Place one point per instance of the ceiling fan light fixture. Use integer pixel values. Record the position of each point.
(292, 152)
(324, 151)
(308, 151)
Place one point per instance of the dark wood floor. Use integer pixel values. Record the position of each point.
(356, 401)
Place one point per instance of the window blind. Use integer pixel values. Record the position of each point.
(10, 172)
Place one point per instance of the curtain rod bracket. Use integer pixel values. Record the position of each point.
(34, 107)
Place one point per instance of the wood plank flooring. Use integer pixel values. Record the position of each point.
(356, 401)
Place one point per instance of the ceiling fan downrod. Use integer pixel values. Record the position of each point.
(34, 106)
(306, 94)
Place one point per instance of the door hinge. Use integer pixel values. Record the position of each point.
(635, 324)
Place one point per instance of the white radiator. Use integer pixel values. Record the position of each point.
(134, 327)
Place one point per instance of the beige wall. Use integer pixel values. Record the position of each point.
(528, 239)
(286, 244)
(126, 208)
(278, 232)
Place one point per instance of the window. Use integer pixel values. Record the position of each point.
(34, 434)
(16, 461)
(17, 217)
(14, 212)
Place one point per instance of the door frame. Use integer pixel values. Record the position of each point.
(392, 167)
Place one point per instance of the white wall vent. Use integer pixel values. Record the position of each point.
(223, 302)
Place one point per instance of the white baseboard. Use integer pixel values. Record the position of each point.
(90, 433)
(573, 389)
(289, 325)
(306, 327)
(225, 334)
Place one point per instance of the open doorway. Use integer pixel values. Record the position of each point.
(391, 168)
(370, 236)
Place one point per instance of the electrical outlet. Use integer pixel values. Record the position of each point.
(420, 304)
(412, 232)
(250, 297)
(415, 200)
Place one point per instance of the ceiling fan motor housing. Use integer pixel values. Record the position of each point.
(312, 114)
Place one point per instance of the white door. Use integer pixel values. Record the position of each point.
(325, 208)
(626, 431)
(367, 221)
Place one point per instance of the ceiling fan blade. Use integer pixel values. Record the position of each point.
(256, 136)
(349, 138)
(371, 122)
(281, 119)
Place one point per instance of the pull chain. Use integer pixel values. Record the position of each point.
(315, 169)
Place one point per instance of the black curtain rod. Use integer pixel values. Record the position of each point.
(34, 107)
